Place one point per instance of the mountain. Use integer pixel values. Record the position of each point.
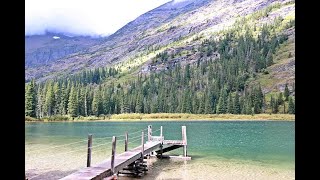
(193, 56)
(155, 29)
(120, 46)
(41, 50)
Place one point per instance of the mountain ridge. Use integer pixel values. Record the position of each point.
(126, 47)
(139, 51)
(43, 49)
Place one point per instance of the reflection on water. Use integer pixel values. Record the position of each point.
(219, 150)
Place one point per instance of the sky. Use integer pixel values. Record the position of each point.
(83, 17)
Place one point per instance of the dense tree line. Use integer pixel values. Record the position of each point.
(207, 86)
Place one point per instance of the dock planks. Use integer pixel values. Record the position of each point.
(103, 169)
(154, 144)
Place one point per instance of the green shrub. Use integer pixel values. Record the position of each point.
(28, 118)
(57, 118)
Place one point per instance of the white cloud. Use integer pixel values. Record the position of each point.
(56, 37)
(83, 17)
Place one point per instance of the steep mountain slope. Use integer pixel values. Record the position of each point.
(235, 64)
(152, 32)
(119, 45)
(41, 50)
(282, 72)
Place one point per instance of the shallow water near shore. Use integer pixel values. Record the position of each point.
(219, 149)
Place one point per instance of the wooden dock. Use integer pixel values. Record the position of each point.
(130, 161)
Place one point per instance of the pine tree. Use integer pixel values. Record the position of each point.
(257, 98)
(207, 103)
(272, 104)
(291, 108)
(249, 107)
(63, 100)
(146, 106)
(73, 103)
(125, 104)
(81, 101)
(173, 100)
(187, 104)
(201, 109)
(96, 102)
(187, 74)
(276, 107)
(269, 59)
(195, 104)
(49, 99)
(221, 106)
(256, 108)
(57, 98)
(230, 104)
(190, 98)
(207, 106)
(30, 100)
(40, 102)
(280, 99)
(77, 99)
(139, 105)
(264, 104)
(236, 106)
(160, 101)
(86, 99)
(242, 105)
(286, 93)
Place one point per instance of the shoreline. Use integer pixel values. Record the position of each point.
(134, 117)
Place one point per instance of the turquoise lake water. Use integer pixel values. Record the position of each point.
(258, 143)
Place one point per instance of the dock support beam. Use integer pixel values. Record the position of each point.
(161, 145)
(149, 132)
(184, 138)
(142, 144)
(114, 141)
(126, 142)
(89, 150)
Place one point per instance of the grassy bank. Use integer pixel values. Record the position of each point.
(183, 116)
(170, 116)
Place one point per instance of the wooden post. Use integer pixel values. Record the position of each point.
(89, 150)
(142, 144)
(114, 140)
(161, 145)
(149, 132)
(126, 142)
(184, 139)
(161, 150)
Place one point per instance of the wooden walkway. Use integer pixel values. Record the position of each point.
(118, 162)
(122, 160)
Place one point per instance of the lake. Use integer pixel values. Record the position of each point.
(219, 149)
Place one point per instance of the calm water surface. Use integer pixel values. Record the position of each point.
(224, 149)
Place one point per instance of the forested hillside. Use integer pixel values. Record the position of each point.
(203, 74)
